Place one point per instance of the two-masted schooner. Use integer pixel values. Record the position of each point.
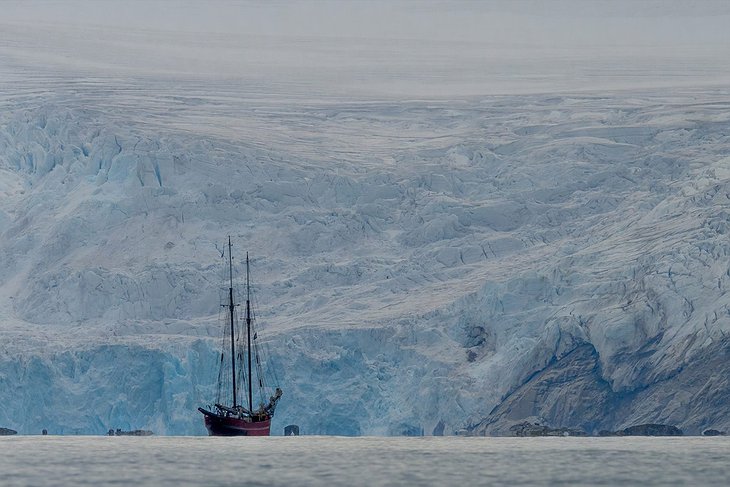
(230, 415)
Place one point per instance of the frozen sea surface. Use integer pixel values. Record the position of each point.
(28, 460)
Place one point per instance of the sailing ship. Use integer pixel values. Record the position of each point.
(231, 416)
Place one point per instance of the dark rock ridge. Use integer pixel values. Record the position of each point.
(533, 429)
(571, 391)
(712, 432)
(7, 432)
(119, 432)
(645, 430)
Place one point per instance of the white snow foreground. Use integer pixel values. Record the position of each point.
(418, 264)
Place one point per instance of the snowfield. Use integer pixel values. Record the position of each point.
(425, 265)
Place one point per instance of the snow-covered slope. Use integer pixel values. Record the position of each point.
(418, 264)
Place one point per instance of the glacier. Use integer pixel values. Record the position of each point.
(419, 265)
(424, 264)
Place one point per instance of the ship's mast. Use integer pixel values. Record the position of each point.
(248, 329)
(230, 305)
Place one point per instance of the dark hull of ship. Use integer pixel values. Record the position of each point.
(230, 426)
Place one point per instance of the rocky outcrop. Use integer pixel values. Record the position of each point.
(438, 430)
(645, 430)
(695, 396)
(712, 432)
(119, 432)
(7, 432)
(569, 392)
(534, 429)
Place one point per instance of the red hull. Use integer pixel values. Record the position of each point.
(228, 426)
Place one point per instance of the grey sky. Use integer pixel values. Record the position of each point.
(560, 22)
(462, 46)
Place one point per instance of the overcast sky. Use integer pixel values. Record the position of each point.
(552, 21)
(447, 42)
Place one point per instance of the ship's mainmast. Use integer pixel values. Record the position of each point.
(231, 307)
(248, 330)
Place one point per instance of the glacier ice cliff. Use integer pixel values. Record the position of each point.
(433, 266)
